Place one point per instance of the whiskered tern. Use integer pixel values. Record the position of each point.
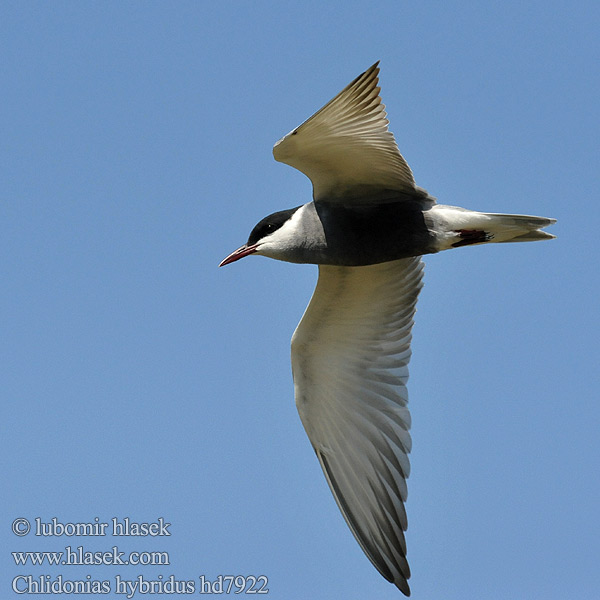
(367, 228)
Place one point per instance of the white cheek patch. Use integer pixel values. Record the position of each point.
(284, 244)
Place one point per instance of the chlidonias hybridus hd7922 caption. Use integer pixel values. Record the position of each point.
(366, 228)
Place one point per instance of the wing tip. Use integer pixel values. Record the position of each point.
(403, 586)
(397, 572)
(372, 68)
(371, 73)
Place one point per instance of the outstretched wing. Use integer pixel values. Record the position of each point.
(350, 357)
(346, 146)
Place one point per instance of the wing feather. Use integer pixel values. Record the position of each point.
(346, 146)
(350, 357)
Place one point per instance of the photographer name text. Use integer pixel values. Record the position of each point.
(115, 527)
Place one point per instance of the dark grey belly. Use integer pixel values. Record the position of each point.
(359, 235)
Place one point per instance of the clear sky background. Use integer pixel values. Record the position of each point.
(139, 380)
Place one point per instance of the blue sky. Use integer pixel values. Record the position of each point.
(141, 381)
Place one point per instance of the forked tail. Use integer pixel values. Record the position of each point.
(456, 227)
(531, 227)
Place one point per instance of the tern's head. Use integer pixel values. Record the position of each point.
(274, 236)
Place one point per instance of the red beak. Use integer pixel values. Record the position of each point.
(245, 250)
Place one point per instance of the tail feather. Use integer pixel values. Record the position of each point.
(530, 227)
(532, 236)
(455, 227)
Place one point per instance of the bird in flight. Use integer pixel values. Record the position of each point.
(367, 228)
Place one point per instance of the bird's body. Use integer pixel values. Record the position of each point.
(366, 228)
(334, 233)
